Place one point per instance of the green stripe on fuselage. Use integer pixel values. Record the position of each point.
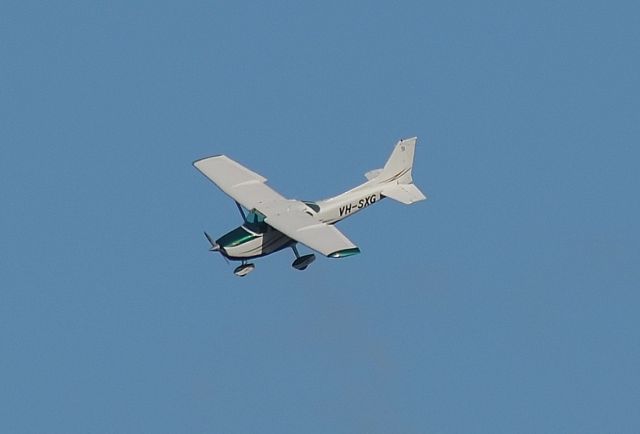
(236, 237)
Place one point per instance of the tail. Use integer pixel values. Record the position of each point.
(396, 177)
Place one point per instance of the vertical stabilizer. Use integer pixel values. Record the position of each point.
(399, 165)
(396, 174)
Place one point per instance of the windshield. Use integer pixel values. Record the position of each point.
(255, 222)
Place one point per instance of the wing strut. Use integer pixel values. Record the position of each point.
(244, 217)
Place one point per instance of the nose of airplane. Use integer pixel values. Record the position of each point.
(215, 247)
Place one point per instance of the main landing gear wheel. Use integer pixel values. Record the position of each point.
(302, 262)
(244, 269)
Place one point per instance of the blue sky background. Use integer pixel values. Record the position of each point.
(508, 302)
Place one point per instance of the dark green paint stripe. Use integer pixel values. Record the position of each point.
(344, 253)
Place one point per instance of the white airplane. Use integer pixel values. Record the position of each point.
(275, 223)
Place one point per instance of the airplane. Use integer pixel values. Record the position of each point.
(274, 223)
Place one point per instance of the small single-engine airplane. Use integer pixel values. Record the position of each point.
(274, 223)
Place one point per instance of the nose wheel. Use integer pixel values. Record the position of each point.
(244, 269)
(302, 262)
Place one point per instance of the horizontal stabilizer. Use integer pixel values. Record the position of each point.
(372, 174)
(404, 193)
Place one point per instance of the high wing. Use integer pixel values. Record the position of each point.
(244, 186)
(291, 217)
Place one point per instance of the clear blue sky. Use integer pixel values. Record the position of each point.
(506, 303)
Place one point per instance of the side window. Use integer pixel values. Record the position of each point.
(255, 222)
(314, 206)
(255, 216)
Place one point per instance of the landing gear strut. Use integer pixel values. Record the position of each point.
(302, 262)
(244, 269)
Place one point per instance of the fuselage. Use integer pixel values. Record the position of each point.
(347, 204)
(256, 238)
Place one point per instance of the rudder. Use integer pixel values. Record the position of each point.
(399, 165)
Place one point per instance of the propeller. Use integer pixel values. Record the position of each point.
(214, 247)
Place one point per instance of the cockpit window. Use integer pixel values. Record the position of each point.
(255, 222)
(255, 216)
(314, 206)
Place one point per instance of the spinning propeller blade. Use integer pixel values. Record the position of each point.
(214, 247)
